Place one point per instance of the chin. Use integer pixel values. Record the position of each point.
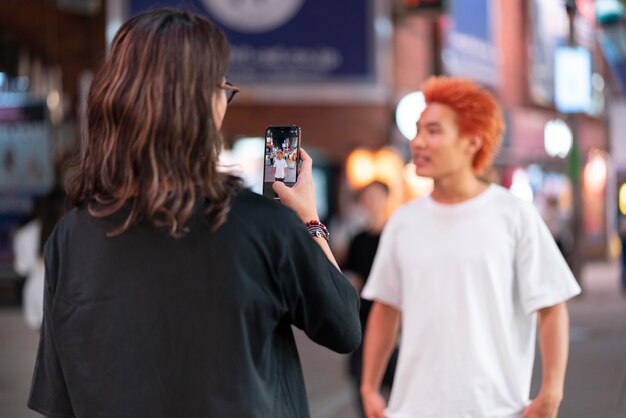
(423, 172)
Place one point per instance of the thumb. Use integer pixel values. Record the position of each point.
(280, 188)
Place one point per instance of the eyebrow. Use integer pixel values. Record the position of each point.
(430, 125)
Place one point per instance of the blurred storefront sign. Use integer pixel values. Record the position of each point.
(26, 164)
(26, 161)
(572, 83)
(549, 30)
(298, 44)
(469, 41)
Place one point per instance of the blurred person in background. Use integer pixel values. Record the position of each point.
(471, 269)
(28, 247)
(373, 198)
(557, 223)
(168, 294)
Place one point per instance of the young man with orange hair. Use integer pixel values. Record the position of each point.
(471, 270)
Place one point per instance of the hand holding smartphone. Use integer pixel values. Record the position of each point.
(282, 157)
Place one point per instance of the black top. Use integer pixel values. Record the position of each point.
(146, 325)
(361, 253)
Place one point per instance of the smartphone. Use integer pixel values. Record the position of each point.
(282, 157)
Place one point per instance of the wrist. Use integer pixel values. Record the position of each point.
(366, 389)
(551, 395)
(309, 216)
(317, 229)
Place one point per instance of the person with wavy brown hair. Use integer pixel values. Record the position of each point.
(167, 292)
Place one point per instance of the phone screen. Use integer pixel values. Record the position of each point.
(282, 156)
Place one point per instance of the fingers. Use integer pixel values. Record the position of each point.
(279, 187)
(307, 161)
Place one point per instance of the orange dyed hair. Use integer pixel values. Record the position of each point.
(477, 113)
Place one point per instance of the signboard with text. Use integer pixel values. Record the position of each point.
(282, 41)
(469, 41)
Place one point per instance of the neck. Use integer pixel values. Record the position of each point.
(376, 224)
(457, 189)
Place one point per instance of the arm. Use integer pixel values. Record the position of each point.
(301, 198)
(553, 342)
(356, 280)
(380, 338)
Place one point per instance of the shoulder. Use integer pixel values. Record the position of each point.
(504, 200)
(75, 220)
(248, 206)
(522, 215)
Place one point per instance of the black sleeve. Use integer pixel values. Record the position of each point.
(320, 300)
(48, 393)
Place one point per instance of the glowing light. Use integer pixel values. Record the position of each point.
(387, 165)
(622, 199)
(558, 138)
(408, 112)
(363, 167)
(360, 168)
(53, 100)
(595, 172)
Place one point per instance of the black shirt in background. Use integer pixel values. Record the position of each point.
(361, 253)
(146, 325)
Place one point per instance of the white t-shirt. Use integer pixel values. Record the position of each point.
(27, 262)
(280, 166)
(468, 279)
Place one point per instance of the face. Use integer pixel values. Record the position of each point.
(374, 199)
(219, 104)
(438, 149)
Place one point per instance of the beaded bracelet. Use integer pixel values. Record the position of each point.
(317, 229)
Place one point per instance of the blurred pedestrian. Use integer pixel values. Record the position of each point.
(373, 198)
(28, 245)
(168, 294)
(557, 223)
(472, 270)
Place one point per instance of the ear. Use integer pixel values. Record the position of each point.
(474, 144)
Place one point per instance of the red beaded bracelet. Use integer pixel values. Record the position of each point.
(317, 229)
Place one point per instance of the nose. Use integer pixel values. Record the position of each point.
(418, 141)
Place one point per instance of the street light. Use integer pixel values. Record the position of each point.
(558, 139)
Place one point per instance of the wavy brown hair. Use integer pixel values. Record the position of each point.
(151, 144)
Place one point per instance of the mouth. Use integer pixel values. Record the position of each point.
(420, 160)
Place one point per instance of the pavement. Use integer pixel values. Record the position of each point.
(595, 385)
